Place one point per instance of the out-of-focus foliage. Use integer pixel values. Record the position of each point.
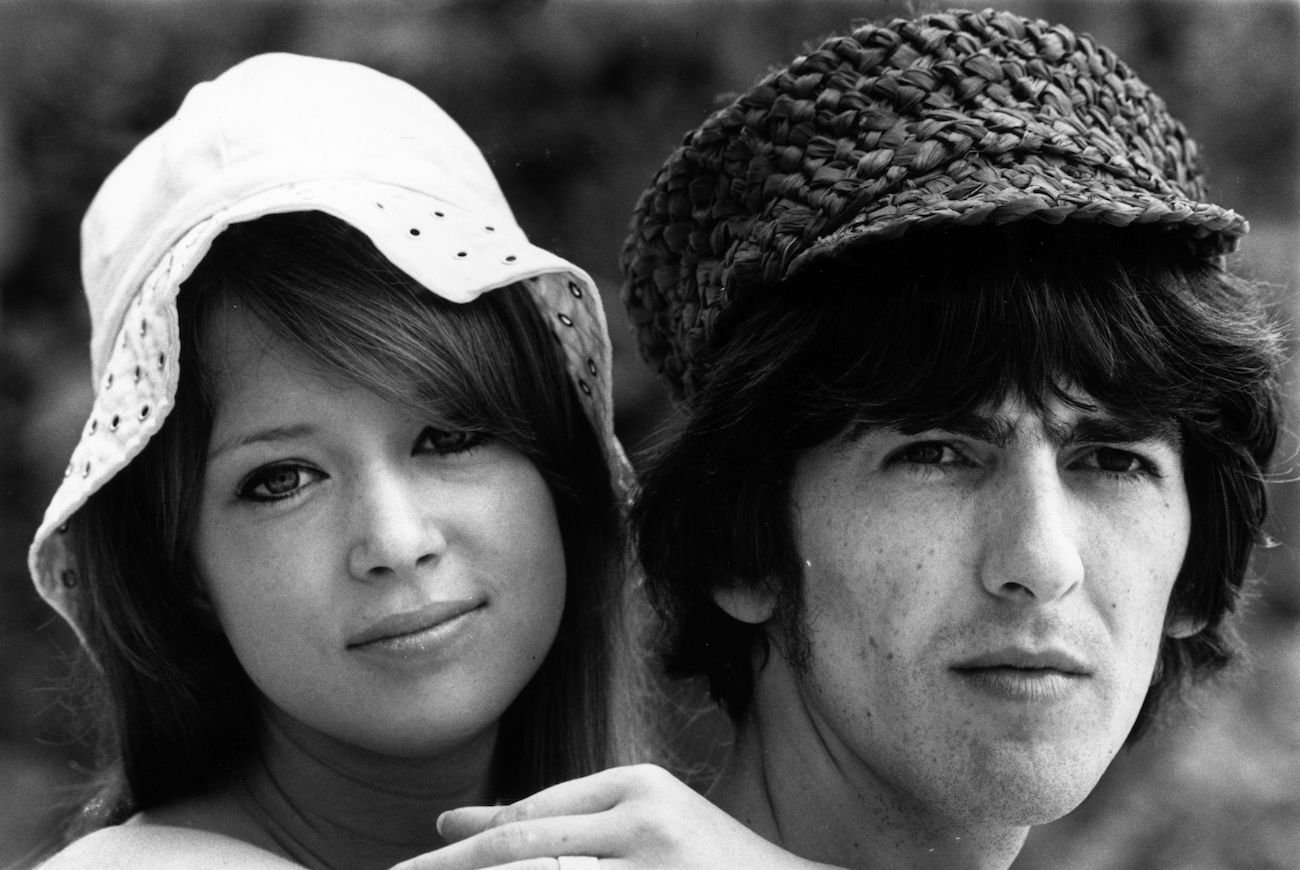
(575, 105)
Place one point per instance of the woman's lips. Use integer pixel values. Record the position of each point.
(412, 624)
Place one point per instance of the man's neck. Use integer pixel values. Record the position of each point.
(785, 782)
(323, 805)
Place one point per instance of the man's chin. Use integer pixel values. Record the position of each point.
(1007, 789)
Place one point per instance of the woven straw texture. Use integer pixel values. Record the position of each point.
(955, 119)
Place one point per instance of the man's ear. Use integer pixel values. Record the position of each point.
(1179, 627)
(751, 602)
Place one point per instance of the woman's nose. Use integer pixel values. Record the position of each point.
(1031, 547)
(392, 526)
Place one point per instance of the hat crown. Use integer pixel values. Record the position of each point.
(954, 119)
(269, 120)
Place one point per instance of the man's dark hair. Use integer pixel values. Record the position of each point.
(928, 329)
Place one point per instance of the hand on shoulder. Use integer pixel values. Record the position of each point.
(146, 846)
(638, 817)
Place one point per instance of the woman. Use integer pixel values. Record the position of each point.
(341, 537)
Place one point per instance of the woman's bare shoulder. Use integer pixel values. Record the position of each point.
(145, 846)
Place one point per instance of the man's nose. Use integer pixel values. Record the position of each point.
(1031, 546)
(392, 527)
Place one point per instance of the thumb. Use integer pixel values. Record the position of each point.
(455, 825)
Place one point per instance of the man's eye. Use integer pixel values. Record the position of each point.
(1117, 461)
(443, 441)
(277, 482)
(928, 453)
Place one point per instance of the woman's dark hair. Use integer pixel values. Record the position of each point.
(178, 711)
(927, 330)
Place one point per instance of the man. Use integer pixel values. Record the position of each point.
(972, 445)
(974, 429)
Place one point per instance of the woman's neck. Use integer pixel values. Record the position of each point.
(325, 804)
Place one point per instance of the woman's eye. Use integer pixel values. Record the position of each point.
(278, 482)
(443, 441)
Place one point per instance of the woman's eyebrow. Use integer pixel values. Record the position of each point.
(258, 436)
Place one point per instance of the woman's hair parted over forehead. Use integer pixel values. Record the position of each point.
(178, 710)
(929, 330)
(462, 366)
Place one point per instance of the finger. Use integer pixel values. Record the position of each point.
(463, 822)
(595, 793)
(428, 862)
(597, 834)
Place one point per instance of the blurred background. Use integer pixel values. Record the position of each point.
(576, 103)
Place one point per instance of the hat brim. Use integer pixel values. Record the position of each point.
(1054, 193)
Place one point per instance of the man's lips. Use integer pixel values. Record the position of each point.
(413, 621)
(1020, 658)
(1024, 675)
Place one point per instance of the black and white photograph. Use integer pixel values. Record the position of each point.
(650, 434)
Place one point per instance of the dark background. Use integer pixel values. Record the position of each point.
(575, 105)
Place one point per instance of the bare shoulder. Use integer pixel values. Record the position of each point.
(147, 846)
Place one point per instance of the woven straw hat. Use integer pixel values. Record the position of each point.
(954, 119)
(284, 133)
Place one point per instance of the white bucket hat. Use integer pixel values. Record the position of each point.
(284, 133)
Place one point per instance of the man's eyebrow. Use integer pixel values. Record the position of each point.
(994, 430)
(1094, 429)
(997, 431)
(270, 434)
(1115, 430)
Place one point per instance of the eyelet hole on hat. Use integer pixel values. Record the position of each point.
(162, 361)
(460, 255)
(68, 578)
(575, 290)
(144, 412)
(582, 385)
(490, 229)
(414, 231)
(591, 366)
(144, 328)
(108, 381)
(94, 424)
(137, 374)
(565, 319)
(510, 258)
(379, 205)
(113, 424)
(439, 214)
(63, 529)
(85, 470)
